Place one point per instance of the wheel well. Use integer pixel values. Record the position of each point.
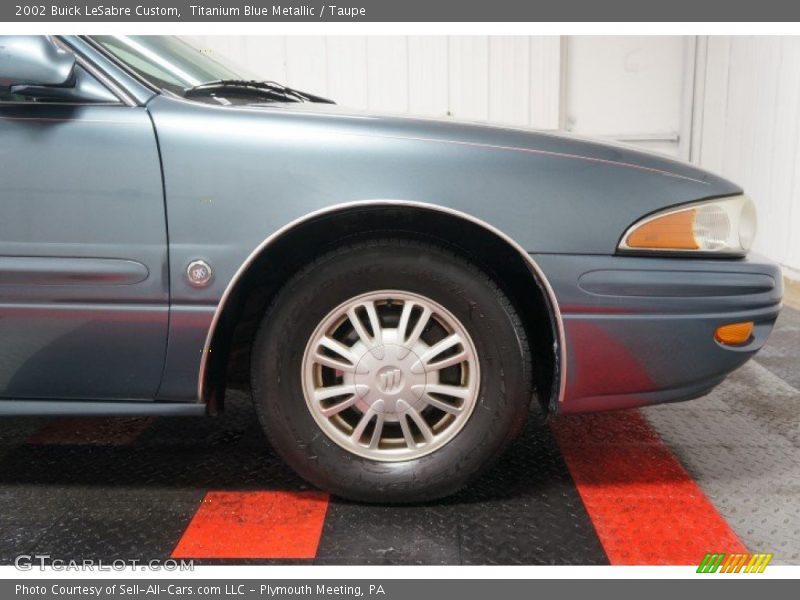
(228, 362)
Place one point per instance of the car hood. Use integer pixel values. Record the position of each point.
(500, 138)
(277, 163)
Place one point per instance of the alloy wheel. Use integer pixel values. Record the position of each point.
(390, 375)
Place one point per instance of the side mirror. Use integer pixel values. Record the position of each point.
(34, 60)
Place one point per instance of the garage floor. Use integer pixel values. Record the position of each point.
(663, 485)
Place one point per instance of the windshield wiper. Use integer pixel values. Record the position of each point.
(260, 88)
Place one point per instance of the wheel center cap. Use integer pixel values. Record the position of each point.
(389, 378)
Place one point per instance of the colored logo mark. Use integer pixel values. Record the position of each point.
(734, 563)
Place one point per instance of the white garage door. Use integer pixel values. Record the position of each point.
(631, 89)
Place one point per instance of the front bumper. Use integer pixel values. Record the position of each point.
(640, 331)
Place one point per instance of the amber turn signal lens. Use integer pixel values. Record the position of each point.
(674, 231)
(720, 225)
(734, 334)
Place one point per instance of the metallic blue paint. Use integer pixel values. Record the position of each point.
(81, 197)
(85, 182)
(66, 408)
(35, 271)
(641, 330)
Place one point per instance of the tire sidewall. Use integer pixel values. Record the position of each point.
(446, 279)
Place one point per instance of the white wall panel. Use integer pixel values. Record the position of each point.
(627, 87)
(512, 80)
(545, 78)
(750, 127)
(711, 105)
(387, 74)
(306, 63)
(347, 70)
(266, 54)
(428, 91)
(469, 77)
(509, 80)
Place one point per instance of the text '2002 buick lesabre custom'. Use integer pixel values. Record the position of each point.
(393, 292)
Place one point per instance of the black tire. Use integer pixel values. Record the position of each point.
(468, 293)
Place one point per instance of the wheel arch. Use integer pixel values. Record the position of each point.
(277, 257)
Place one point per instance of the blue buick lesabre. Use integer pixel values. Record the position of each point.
(393, 292)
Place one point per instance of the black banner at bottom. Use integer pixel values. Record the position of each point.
(387, 589)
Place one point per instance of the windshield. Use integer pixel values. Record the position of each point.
(168, 62)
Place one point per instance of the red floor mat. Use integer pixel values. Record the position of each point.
(255, 525)
(645, 507)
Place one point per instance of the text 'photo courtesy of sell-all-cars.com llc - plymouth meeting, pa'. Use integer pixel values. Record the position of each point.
(394, 292)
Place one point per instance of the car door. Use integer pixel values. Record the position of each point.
(84, 295)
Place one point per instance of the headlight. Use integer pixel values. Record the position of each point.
(720, 226)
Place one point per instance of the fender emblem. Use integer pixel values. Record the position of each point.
(198, 272)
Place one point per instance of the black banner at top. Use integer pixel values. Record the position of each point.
(398, 10)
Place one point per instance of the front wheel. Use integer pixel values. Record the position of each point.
(391, 371)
